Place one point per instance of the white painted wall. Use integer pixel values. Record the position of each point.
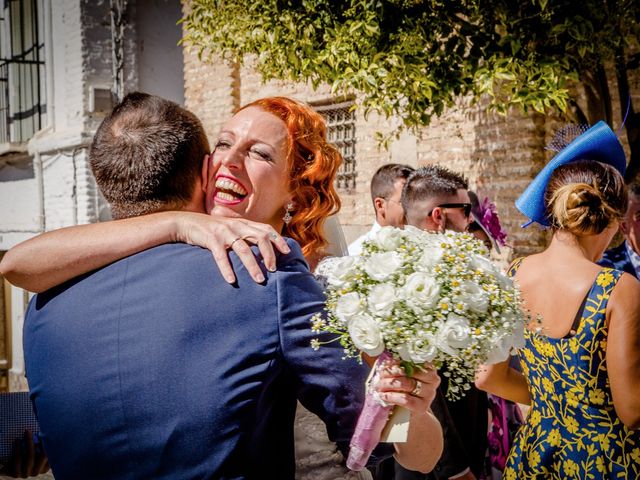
(160, 61)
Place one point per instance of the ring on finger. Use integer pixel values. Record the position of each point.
(273, 236)
(234, 241)
(417, 389)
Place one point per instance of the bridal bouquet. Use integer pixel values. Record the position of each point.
(419, 297)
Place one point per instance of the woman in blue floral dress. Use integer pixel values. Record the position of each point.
(581, 360)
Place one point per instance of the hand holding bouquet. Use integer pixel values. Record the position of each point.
(422, 297)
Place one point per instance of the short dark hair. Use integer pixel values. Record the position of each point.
(383, 181)
(147, 155)
(430, 182)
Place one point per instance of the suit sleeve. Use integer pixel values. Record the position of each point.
(326, 384)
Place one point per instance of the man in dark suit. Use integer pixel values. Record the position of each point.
(156, 367)
(626, 256)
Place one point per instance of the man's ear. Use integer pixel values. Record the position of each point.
(437, 217)
(204, 174)
(379, 205)
(623, 228)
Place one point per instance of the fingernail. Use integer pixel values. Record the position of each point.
(271, 268)
(260, 278)
(229, 279)
(286, 249)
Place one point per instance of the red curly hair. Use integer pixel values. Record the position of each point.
(312, 164)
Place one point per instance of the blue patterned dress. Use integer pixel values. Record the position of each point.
(572, 430)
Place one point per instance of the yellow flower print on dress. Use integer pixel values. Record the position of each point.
(571, 424)
(596, 396)
(572, 431)
(570, 467)
(604, 279)
(555, 439)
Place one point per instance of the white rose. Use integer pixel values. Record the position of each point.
(453, 334)
(338, 271)
(415, 234)
(421, 290)
(381, 299)
(381, 266)
(388, 238)
(504, 281)
(366, 335)
(348, 306)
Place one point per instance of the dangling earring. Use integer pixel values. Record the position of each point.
(287, 214)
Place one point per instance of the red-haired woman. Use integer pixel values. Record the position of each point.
(271, 164)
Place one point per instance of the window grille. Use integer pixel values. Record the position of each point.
(341, 131)
(22, 105)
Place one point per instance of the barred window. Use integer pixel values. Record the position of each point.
(341, 131)
(22, 106)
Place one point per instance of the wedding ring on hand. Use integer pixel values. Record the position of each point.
(234, 241)
(273, 236)
(417, 389)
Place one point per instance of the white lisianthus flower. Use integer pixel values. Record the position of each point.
(380, 266)
(504, 281)
(424, 349)
(500, 351)
(349, 305)
(338, 271)
(388, 239)
(381, 299)
(415, 234)
(421, 290)
(479, 262)
(453, 334)
(473, 296)
(366, 335)
(429, 258)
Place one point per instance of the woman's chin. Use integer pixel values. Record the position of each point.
(226, 211)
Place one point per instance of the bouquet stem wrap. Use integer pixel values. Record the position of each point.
(371, 421)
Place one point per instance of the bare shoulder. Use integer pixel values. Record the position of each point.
(624, 301)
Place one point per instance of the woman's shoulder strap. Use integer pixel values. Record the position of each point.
(513, 268)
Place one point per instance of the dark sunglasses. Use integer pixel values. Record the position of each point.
(465, 206)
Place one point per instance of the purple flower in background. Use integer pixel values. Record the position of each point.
(488, 216)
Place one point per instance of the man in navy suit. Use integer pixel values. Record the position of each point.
(156, 367)
(626, 256)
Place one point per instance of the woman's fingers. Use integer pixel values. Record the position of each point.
(414, 392)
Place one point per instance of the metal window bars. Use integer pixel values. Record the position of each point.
(22, 105)
(341, 131)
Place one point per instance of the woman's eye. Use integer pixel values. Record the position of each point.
(260, 154)
(222, 144)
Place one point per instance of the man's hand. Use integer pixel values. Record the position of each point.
(27, 460)
(220, 234)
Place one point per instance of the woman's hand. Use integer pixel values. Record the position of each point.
(415, 392)
(220, 234)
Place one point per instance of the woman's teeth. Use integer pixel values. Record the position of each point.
(230, 186)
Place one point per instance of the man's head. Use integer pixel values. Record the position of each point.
(630, 225)
(436, 199)
(147, 156)
(386, 191)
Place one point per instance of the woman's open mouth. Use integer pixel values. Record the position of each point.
(229, 191)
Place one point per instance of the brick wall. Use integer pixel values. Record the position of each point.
(498, 154)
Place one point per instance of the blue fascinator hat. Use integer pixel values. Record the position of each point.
(598, 143)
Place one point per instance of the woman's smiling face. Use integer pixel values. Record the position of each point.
(253, 180)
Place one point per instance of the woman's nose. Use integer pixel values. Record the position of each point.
(232, 158)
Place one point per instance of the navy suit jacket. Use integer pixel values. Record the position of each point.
(155, 367)
(618, 258)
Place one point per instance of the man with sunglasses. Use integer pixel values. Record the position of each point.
(436, 199)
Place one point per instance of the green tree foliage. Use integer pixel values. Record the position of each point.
(413, 58)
